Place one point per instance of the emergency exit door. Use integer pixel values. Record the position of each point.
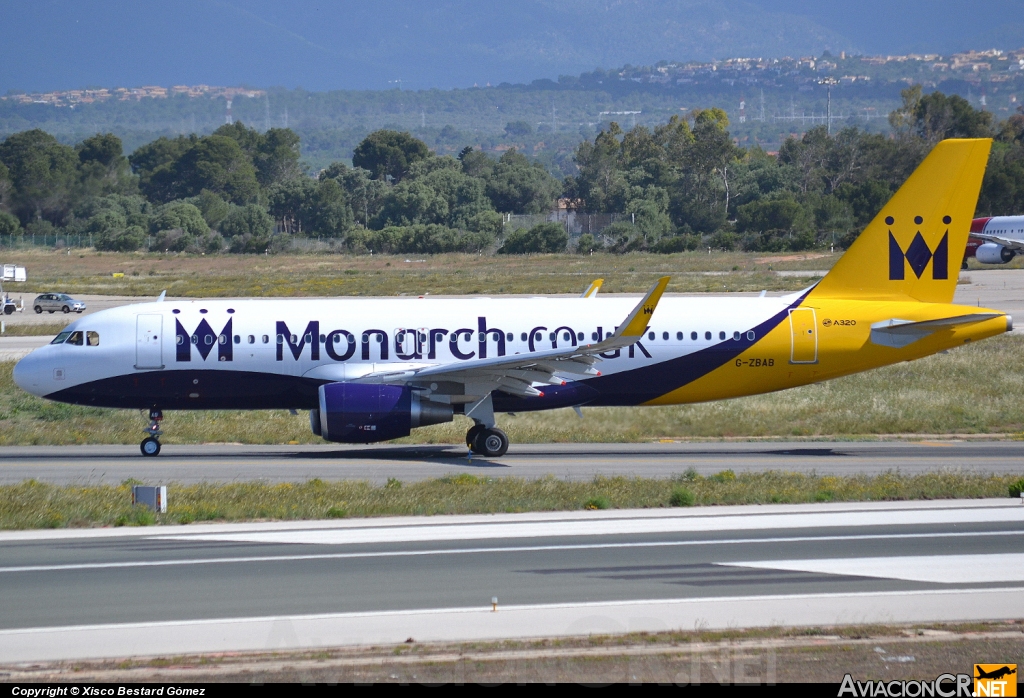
(804, 331)
(148, 353)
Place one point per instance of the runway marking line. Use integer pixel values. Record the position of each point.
(516, 549)
(933, 569)
(8, 632)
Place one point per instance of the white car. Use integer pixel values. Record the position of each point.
(52, 302)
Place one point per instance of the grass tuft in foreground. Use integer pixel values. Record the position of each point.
(33, 504)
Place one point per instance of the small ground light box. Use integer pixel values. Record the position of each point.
(153, 497)
(13, 273)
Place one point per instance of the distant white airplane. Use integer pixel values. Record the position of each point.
(996, 240)
(374, 369)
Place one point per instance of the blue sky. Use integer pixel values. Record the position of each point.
(60, 44)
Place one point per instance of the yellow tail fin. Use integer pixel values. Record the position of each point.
(914, 246)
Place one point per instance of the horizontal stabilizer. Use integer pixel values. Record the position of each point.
(898, 333)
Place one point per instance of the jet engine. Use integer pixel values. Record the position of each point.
(365, 413)
(994, 253)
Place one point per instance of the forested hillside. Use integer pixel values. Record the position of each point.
(682, 184)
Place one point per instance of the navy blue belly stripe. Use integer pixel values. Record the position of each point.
(649, 382)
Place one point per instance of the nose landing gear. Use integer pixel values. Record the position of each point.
(150, 445)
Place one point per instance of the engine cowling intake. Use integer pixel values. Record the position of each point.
(365, 413)
(994, 253)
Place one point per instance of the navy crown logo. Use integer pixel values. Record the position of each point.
(918, 254)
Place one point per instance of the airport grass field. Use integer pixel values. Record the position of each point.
(194, 276)
(33, 504)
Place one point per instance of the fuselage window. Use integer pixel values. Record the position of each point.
(679, 336)
(238, 339)
(664, 335)
(266, 338)
(308, 338)
(209, 339)
(61, 338)
(721, 335)
(295, 339)
(75, 338)
(551, 336)
(93, 338)
(380, 339)
(707, 335)
(736, 336)
(252, 339)
(750, 335)
(536, 337)
(337, 339)
(579, 336)
(223, 339)
(693, 336)
(650, 336)
(280, 339)
(522, 337)
(323, 339)
(508, 337)
(566, 337)
(594, 337)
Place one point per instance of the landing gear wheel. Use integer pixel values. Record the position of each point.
(150, 447)
(39, 311)
(473, 432)
(492, 443)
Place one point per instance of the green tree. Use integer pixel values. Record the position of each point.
(103, 167)
(43, 174)
(516, 185)
(154, 163)
(251, 220)
(212, 206)
(216, 163)
(180, 215)
(9, 225)
(389, 153)
(365, 194)
(275, 154)
(541, 238)
(126, 239)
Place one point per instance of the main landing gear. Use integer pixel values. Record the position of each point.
(150, 445)
(487, 441)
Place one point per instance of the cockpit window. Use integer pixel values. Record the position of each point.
(75, 338)
(61, 338)
(92, 338)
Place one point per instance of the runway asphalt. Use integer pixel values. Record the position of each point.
(229, 463)
(206, 588)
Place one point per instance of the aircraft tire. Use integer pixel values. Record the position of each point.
(492, 443)
(473, 432)
(150, 446)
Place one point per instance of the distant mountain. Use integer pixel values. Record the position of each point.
(54, 44)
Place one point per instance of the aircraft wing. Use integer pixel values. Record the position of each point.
(516, 374)
(1009, 243)
(898, 333)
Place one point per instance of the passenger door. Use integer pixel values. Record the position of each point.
(148, 353)
(805, 336)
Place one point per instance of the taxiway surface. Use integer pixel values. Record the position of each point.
(231, 463)
(204, 588)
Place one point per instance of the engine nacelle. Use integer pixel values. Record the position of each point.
(365, 413)
(994, 253)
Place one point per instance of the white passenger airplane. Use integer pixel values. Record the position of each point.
(374, 369)
(996, 240)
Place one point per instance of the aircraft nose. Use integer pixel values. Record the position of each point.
(30, 374)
